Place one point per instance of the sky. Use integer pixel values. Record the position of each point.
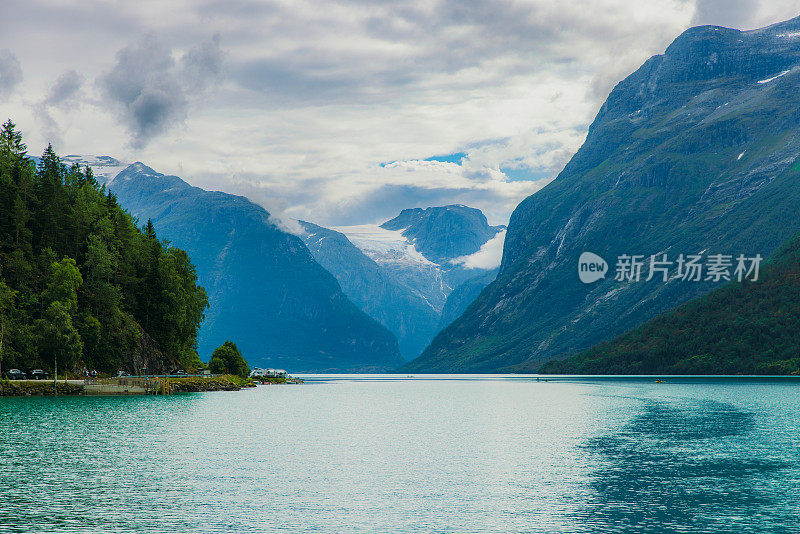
(337, 112)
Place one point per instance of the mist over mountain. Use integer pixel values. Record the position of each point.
(692, 153)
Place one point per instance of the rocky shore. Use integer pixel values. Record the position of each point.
(41, 388)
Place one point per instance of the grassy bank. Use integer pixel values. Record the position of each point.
(278, 380)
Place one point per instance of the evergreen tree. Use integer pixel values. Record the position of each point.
(80, 284)
(11, 141)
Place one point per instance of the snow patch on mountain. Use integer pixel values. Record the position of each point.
(382, 245)
(775, 77)
(105, 168)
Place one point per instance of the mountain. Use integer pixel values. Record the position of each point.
(741, 328)
(266, 291)
(694, 152)
(464, 295)
(403, 271)
(442, 234)
(374, 289)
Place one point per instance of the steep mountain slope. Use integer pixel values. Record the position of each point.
(740, 328)
(464, 295)
(402, 272)
(266, 292)
(374, 289)
(692, 152)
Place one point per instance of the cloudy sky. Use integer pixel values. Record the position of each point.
(339, 112)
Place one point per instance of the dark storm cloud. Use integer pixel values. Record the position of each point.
(10, 73)
(151, 91)
(202, 66)
(65, 89)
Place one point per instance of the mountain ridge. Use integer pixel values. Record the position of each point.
(693, 151)
(402, 272)
(748, 327)
(267, 292)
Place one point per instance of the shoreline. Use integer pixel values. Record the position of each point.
(130, 386)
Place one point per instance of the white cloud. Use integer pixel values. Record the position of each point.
(489, 255)
(317, 94)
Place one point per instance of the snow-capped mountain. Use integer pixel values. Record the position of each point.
(396, 254)
(105, 168)
(402, 272)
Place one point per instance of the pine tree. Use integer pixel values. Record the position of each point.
(87, 284)
(11, 141)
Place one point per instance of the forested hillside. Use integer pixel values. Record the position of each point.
(80, 284)
(740, 328)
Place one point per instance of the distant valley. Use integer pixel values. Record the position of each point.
(401, 273)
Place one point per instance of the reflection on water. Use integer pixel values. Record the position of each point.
(696, 467)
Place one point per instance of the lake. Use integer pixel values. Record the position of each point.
(423, 454)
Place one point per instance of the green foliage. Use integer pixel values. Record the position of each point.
(80, 284)
(59, 341)
(227, 359)
(740, 328)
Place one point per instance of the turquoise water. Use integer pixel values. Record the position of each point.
(477, 454)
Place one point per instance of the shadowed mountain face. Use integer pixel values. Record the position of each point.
(742, 328)
(403, 272)
(464, 295)
(442, 234)
(267, 293)
(692, 152)
(374, 289)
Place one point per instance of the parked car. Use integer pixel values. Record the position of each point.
(15, 374)
(39, 374)
(180, 372)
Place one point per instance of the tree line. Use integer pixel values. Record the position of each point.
(81, 285)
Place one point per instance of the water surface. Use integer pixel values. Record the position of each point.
(397, 454)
